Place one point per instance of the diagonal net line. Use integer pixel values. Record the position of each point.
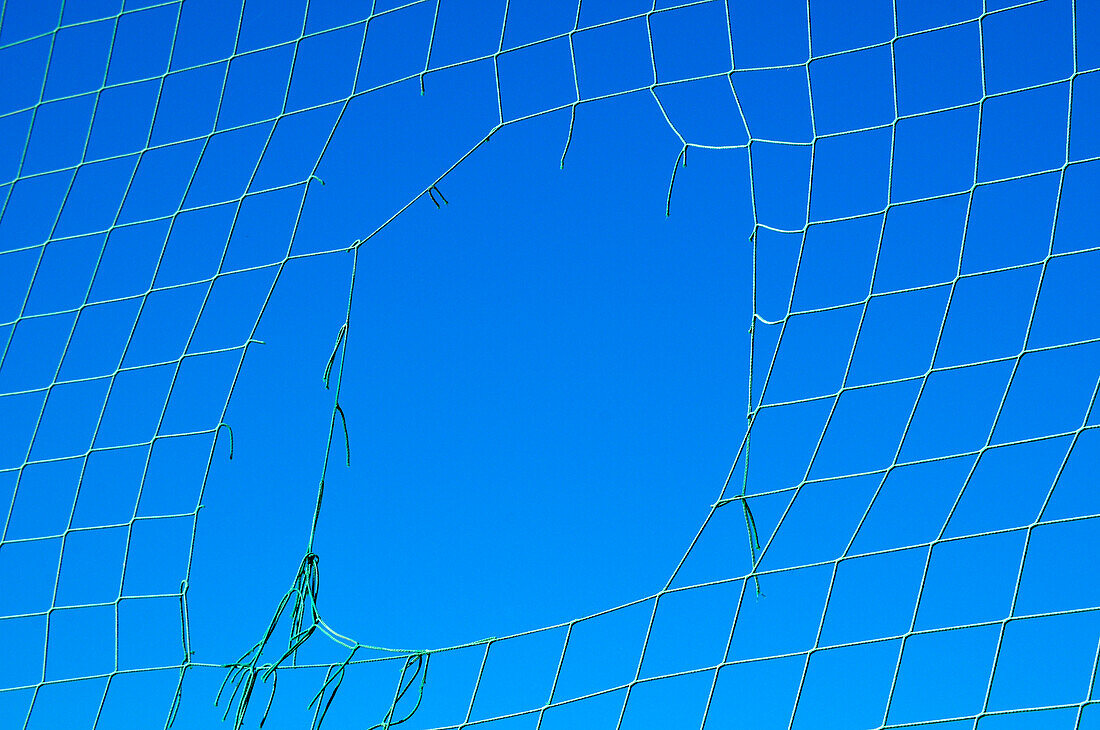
(413, 664)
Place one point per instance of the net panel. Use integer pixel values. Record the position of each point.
(910, 545)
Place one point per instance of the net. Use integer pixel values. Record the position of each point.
(428, 292)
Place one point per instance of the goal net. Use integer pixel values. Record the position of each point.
(460, 311)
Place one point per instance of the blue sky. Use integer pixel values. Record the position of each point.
(571, 233)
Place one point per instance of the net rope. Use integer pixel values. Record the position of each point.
(249, 692)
